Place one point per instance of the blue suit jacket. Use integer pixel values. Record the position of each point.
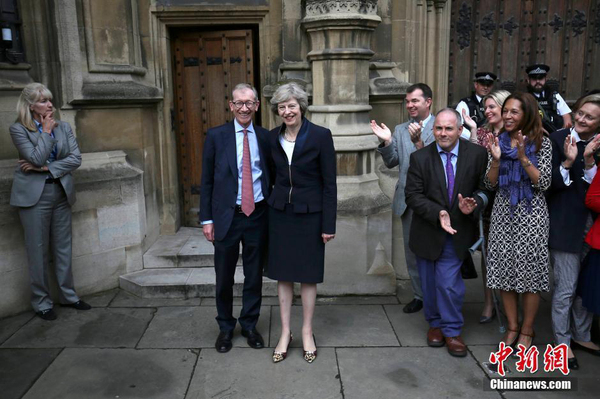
(219, 187)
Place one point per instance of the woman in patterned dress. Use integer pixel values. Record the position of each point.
(495, 125)
(519, 169)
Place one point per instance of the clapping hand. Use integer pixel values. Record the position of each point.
(466, 204)
(445, 222)
(570, 149)
(414, 129)
(493, 147)
(383, 132)
(590, 150)
(471, 124)
(520, 146)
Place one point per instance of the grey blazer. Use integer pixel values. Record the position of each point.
(398, 153)
(35, 148)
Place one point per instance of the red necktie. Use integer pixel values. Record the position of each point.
(247, 185)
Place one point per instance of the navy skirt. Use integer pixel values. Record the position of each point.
(296, 249)
(589, 282)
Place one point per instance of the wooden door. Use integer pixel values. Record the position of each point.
(207, 65)
(505, 36)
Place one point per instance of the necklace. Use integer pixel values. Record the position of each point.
(286, 139)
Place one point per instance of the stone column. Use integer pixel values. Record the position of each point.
(340, 35)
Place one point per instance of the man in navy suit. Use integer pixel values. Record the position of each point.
(235, 185)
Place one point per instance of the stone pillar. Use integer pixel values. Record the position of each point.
(340, 35)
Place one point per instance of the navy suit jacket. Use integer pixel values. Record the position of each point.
(309, 183)
(219, 187)
(566, 204)
(427, 195)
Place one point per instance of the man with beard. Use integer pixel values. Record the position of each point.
(472, 105)
(556, 112)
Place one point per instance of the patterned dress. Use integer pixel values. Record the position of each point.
(518, 244)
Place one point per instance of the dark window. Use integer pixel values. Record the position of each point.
(11, 45)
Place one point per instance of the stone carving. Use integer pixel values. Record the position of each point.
(510, 25)
(321, 7)
(579, 23)
(464, 26)
(487, 26)
(557, 23)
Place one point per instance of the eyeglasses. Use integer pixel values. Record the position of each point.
(240, 104)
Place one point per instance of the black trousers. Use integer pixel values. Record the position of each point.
(251, 231)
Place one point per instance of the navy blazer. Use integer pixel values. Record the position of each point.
(427, 195)
(219, 187)
(566, 204)
(309, 183)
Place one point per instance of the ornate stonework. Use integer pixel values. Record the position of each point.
(320, 7)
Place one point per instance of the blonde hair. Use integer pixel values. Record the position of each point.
(499, 96)
(31, 94)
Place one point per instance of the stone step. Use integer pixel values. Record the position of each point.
(188, 248)
(183, 282)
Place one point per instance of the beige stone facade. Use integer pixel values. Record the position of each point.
(109, 64)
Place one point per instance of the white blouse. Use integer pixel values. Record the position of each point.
(288, 147)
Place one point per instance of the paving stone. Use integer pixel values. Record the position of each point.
(266, 301)
(126, 300)
(10, 325)
(343, 325)
(197, 252)
(101, 327)
(194, 327)
(116, 373)
(587, 376)
(412, 328)
(19, 368)
(352, 300)
(101, 299)
(409, 373)
(247, 373)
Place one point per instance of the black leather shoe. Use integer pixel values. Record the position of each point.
(47, 314)
(223, 343)
(413, 306)
(255, 340)
(594, 352)
(79, 305)
(573, 364)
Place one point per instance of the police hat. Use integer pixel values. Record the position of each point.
(537, 69)
(486, 77)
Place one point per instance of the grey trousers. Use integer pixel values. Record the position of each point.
(48, 223)
(411, 260)
(570, 320)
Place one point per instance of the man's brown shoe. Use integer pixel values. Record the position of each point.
(435, 337)
(456, 346)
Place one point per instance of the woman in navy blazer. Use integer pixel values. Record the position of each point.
(302, 210)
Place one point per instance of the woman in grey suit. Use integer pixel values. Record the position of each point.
(44, 193)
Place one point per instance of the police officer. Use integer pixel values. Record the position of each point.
(556, 112)
(473, 105)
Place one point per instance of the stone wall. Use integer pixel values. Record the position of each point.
(109, 227)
